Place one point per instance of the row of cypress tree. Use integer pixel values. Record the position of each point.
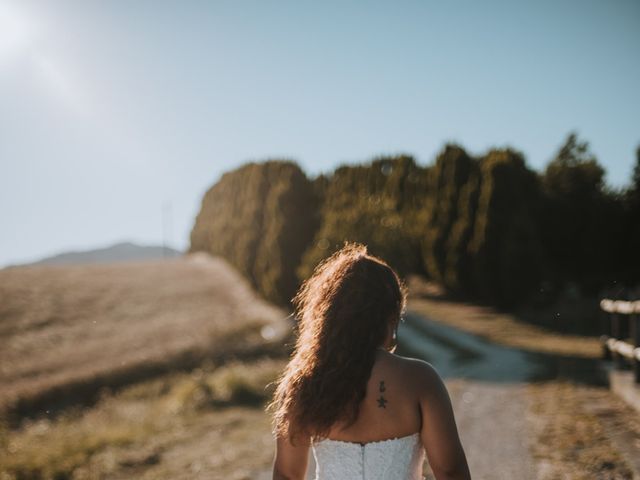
(260, 217)
(485, 227)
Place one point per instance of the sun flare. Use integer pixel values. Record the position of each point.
(17, 31)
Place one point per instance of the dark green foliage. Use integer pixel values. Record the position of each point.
(505, 247)
(447, 178)
(229, 223)
(486, 227)
(481, 235)
(290, 218)
(635, 178)
(375, 204)
(579, 218)
(629, 255)
(458, 274)
(260, 218)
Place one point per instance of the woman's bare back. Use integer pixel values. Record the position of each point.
(407, 396)
(391, 407)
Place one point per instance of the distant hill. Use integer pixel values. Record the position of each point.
(119, 252)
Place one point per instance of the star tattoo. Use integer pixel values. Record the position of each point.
(382, 402)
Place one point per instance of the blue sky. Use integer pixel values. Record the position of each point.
(111, 111)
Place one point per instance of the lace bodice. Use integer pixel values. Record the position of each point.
(394, 459)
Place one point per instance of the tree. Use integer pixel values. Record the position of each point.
(574, 223)
(505, 246)
(629, 257)
(635, 179)
(458, 274)
(375, 204)
(261, 218)
(447, 178)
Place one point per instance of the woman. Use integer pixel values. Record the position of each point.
(365, 412)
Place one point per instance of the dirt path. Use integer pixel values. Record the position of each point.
(493, 424)
(487, 384)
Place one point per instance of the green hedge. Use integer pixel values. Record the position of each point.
(486, 227)
(260, 217)
(376, 204)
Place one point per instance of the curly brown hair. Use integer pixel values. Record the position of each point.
(343, 314)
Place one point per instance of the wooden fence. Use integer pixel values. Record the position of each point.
(622, 341)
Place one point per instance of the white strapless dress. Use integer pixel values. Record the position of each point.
(394, 459)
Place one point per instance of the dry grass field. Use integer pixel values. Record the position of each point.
(207, 423)
(67, 331)
(110, 371)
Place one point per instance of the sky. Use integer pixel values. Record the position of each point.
(117, 116)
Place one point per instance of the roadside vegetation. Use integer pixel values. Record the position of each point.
(138, 431)
(487, 228)
(581, 429)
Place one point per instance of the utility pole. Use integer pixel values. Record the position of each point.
(166, 227)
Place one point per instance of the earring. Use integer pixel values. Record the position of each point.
(395, 339)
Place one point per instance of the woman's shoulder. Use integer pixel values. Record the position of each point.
(410, 362)
(422, 373)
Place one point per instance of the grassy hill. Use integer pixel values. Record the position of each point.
(66, 332)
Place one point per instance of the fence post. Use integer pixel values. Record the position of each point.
(634, 320)
(616, 332)
(605, 324)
